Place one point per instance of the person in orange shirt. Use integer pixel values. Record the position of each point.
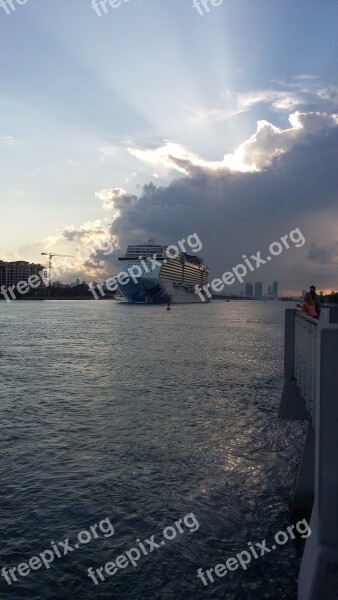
(315, 298)
(309, 306)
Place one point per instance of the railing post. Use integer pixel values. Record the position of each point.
(318, 579)
(327, 437)
(289, 345)
(292, 405)
(303, 494)
(315, 353)
(333, 314)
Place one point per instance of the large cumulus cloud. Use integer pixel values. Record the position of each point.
(288, 179)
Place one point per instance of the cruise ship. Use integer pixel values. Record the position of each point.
(164, 275)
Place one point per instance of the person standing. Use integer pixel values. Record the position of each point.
(309, 306)
(315, 298)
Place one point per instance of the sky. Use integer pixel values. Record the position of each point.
(154, 119)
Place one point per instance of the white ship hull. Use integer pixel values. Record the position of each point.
(157, 291)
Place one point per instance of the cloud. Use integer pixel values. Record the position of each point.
(169, 155)
(88, 248)
(88, 233)
(276, 98)
(240, 102)
(330, 93)
(7, 140)
(48, 243)
(324, 255)
(113, 198)
(293, 184)
(95, 245)
(309, 89)
(108, 151)
(275, 181)
(303, 92)
(256, 153)
(270, 142)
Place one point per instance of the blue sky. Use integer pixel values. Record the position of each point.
(83, 100)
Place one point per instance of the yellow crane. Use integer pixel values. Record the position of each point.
(50, 260)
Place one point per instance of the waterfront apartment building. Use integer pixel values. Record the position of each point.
(19, 270)
(258, 289)
(248, 290)
(275, 288)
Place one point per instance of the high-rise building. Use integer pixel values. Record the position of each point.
(11, 273)
(258, 289)
(248, 290)
(275, 288)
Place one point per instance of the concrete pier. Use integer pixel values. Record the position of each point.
(311, 393)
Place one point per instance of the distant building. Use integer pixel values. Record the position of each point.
(258, 289)
(77, 281)
(11, 273)
(275, 288)
(248, 290)
(269, 290)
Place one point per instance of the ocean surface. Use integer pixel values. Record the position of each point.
(132, 418)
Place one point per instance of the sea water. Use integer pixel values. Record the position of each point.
(136, 417)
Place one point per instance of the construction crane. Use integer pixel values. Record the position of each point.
(51, 256)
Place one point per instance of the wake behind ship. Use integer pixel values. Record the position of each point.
(171, 279)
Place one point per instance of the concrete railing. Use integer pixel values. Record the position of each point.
(311, 393)
(305, 370)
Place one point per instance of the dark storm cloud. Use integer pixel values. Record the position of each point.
(236, 213)
(323, 255)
